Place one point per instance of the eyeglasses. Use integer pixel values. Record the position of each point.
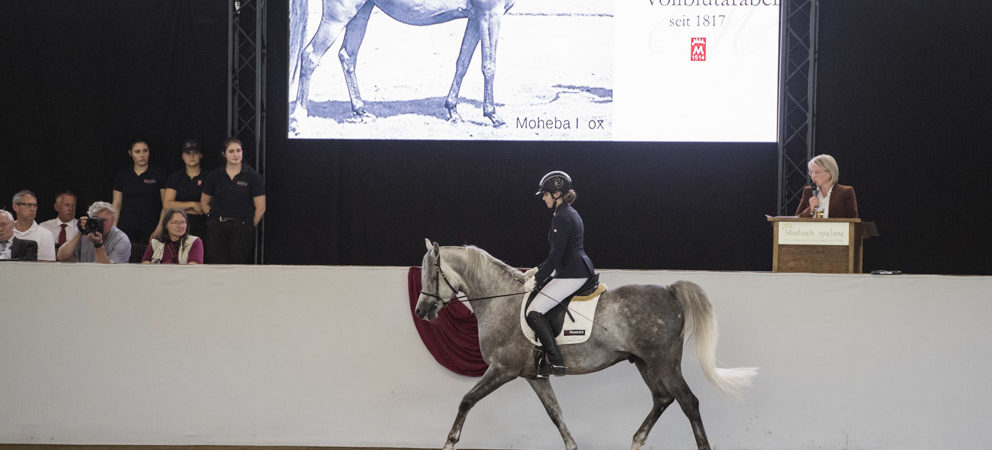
(29, 205)
(816, 172)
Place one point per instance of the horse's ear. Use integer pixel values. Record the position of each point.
(437, 250)
(429, 245)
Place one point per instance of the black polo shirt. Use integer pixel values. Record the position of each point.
(142, 202)
(187, 189)
(233, 198)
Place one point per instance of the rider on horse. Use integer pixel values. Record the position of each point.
(566, 269)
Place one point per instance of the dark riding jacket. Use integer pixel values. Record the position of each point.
(567, 258)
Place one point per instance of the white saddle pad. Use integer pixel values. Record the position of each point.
(575, 332)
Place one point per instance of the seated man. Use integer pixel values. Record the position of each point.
(107, 244)
(26, 208)
(65, 226)
(12, 248)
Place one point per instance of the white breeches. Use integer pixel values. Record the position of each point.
(554, 292)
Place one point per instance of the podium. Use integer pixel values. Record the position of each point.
(818, 245)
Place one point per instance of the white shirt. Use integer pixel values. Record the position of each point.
(46, 245)
(55, 226)
(825, 203)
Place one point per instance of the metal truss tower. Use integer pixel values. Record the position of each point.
(246, 85)
(797, 99)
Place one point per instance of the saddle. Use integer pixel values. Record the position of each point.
(556, 316)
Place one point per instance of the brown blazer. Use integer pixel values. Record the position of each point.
(843, 203)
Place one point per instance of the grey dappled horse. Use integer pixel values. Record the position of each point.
(352, 16)
(642, 323)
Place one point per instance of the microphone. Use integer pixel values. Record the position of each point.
(818, 211)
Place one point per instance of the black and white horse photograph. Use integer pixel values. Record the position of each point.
(452, 69)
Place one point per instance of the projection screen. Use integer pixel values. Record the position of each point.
(562, 70)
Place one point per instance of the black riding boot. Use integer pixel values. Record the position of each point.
(542, 328)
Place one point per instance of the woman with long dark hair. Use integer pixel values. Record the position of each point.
(138, 192)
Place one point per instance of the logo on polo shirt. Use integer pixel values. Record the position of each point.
(150, 181)
(199, 182)
(242, 183)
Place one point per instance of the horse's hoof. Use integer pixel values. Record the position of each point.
(360, 117)
(454, 117)
(294, 121)
(497, 122)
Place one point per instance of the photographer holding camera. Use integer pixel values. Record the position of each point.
(99, 240)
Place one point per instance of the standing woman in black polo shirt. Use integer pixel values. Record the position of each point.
(138, 193)
(234, 200)
(183, 188)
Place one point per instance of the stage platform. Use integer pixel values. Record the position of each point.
(328, 356)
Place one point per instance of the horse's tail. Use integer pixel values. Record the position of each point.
(701, 326)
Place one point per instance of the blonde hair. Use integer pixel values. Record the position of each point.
(828, 163)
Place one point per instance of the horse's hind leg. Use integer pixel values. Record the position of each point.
(547, 395)
(672, 377)
(660, 397)
(469, 41)
(491, 380)
(354, 33)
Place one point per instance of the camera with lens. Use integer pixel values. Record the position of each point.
(93, 225)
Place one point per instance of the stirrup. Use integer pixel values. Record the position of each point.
(558, 371)
(541, 364)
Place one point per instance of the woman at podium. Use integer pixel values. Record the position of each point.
(825, 198)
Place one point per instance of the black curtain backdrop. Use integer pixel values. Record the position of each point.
(903, 105)
(79, 80)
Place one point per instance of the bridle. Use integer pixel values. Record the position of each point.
(438, 276)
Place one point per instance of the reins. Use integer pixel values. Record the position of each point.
(439, 275)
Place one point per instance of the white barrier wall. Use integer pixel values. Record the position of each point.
(282, 355)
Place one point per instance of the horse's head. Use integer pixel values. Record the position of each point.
(436, 287)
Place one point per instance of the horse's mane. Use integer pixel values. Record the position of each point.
(480, 257)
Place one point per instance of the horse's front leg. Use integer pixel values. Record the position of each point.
(469, 41)
(332, 21)
(494, 377)
(547, 395)
(489, 36)
(354, 33)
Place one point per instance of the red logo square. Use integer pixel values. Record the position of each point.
(698, 49)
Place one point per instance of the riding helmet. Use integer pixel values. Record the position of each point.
(555, 180)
